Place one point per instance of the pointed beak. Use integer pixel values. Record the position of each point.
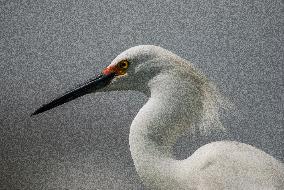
(91, 86)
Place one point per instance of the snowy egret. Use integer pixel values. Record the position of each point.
(180, 98)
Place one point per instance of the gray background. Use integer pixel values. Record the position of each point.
(47, 47)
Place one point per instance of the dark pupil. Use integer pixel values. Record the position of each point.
(122, 64)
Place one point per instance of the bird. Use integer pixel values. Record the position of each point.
(180, 98)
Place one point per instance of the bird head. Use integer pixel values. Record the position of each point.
(131, 70)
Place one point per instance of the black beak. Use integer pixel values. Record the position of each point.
(86, 88)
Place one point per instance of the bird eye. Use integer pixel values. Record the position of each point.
(123, 64)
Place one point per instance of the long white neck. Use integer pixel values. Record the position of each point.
(176, 103)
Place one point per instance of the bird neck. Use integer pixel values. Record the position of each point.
(175, 104)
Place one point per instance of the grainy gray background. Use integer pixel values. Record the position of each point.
(47, 47)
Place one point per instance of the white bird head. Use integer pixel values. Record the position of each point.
(135, 67)
(131, 70)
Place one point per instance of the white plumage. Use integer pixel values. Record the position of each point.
(180, 99)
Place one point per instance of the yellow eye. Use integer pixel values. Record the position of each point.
(123, 64)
